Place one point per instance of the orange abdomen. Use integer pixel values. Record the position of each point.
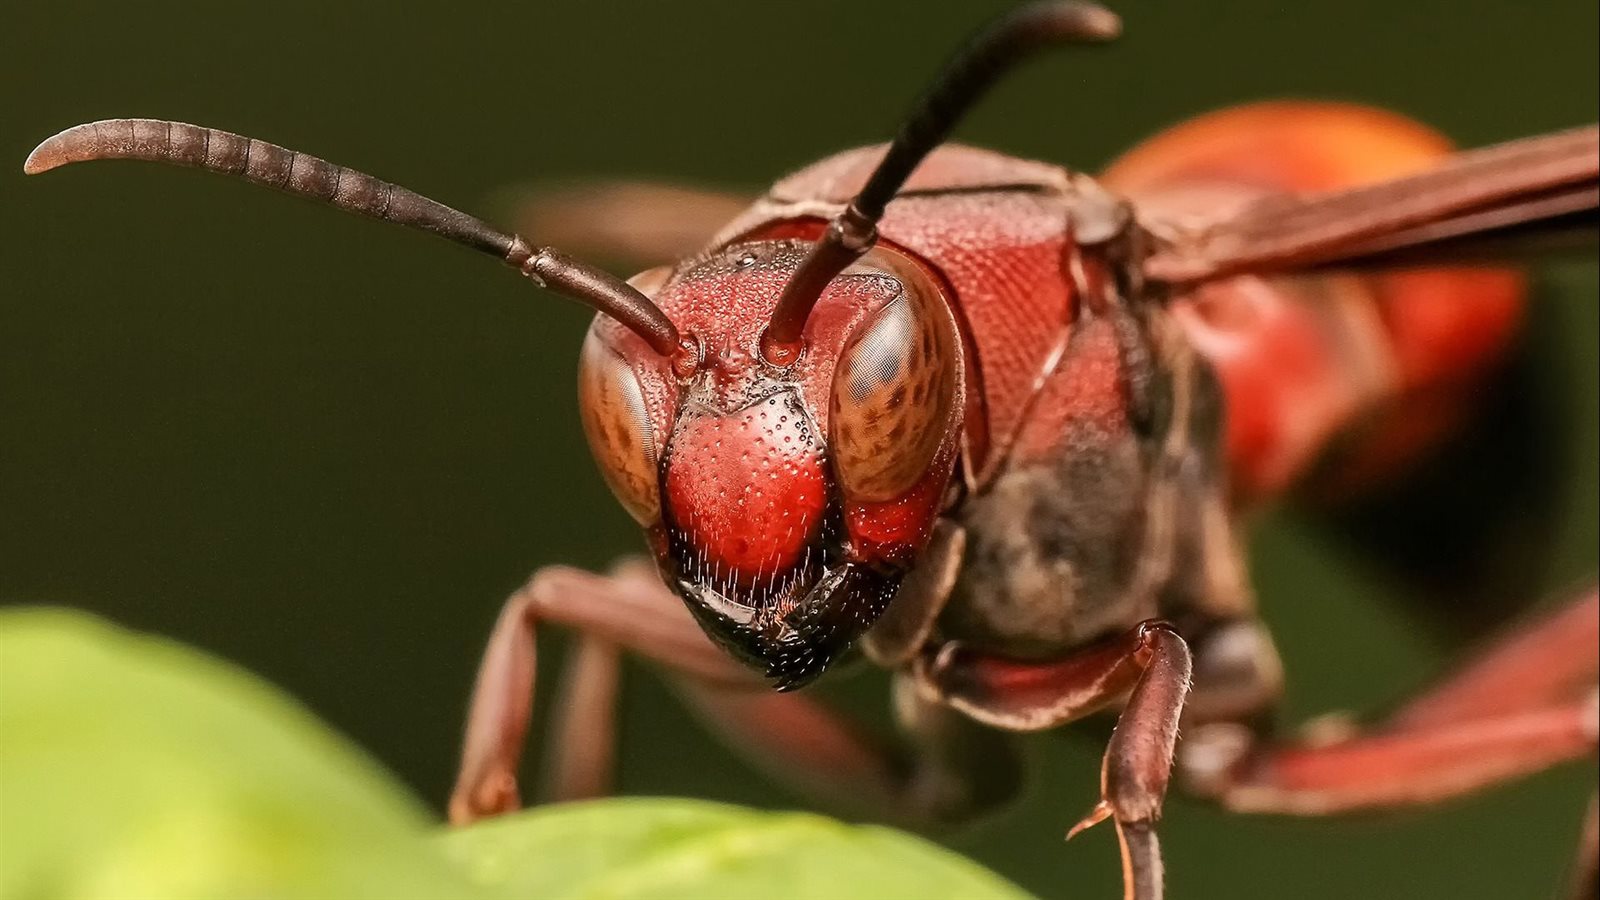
(1368, 369)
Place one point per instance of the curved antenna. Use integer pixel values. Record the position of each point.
(990, 54)
(158, 140)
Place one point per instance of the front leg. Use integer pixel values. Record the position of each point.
(1152, 661)
(948, 768)
(625, 609)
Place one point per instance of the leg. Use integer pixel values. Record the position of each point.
(1585, 880)
(947, 769)
(903, 629)
(1152, 661)
(1553, 658)
(583, 726)
(1237, 673)
(630, 609)
(951, 768)
(1526, 705)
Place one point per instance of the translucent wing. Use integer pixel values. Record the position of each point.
(633, 223)
(1527, 194)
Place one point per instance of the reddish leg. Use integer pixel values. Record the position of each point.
(951, 768)
(583, 727)
(626, 610)
(1527, 704)
(1586, 873)
(948, 768)
(1546, 661)
(1152, 661)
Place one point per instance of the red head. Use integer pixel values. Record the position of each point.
(784, 501)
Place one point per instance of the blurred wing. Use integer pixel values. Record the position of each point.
(626, 222)
(1511, 198)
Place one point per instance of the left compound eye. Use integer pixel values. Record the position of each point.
(617, 422)
(893, 396)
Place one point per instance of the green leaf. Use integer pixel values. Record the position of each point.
(131, 767)
(656, 849)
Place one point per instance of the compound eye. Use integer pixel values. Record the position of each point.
(893, 395)
(621, 434)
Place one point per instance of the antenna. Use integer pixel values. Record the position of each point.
(990, 54)
(176, 143)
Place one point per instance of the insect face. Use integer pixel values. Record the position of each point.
(784, 502)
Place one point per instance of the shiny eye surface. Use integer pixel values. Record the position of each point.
(617, 423)
(893, 397)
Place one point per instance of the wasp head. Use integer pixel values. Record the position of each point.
(784, 500)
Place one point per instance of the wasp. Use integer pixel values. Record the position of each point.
(992, 425)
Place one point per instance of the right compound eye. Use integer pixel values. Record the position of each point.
(617, 422)
(894, 398)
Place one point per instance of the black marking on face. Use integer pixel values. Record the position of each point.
(792, 648)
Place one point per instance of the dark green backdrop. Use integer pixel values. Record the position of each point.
(327, 449)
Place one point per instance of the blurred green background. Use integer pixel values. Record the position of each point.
(328, 449)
